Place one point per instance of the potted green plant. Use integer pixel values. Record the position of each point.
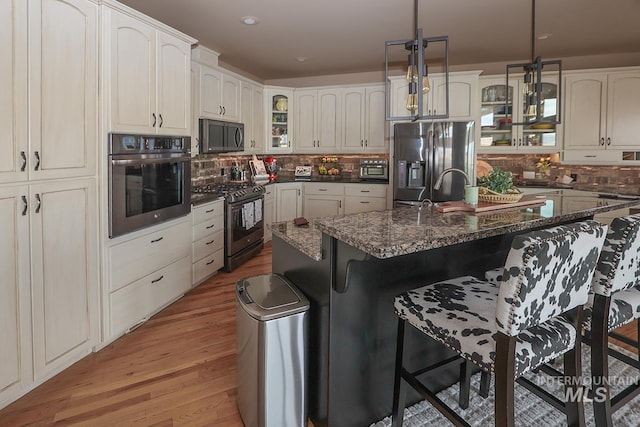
(498, 187)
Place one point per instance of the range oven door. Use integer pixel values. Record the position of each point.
(245, 225)
(146, 189)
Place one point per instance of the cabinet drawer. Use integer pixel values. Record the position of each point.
(206, 212)
(143, 255)
(330, 189)
(209, 227)
(208, 245)
(591, 156)
(208, 266)
(367, 190)
(355, 204)
(136, 301)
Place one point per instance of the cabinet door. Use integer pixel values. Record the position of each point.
(133, 75)
(353, 117)
(64, 272)
(63, 46)
(328, 120)
(174, 85)
(585, 111)
(322, 206)
(288, 202)
(246, 115)
(258, 119)
(230, 98)
(210, 93)
(15, 324)
(623, 111)
(13, 87)
(304, 116)
(375, 124)
(462, 96)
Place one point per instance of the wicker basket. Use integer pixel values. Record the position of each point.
(489, 196)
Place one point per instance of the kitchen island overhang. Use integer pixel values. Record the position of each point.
(364, 261)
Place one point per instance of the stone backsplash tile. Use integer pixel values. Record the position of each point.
(606, 179)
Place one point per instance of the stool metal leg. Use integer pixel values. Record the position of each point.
(399, 386)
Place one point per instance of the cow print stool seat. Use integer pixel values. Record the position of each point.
(532, 318)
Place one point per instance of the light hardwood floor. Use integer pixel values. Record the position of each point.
(179, 368)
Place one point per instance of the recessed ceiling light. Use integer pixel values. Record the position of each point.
(544, 36)
(249, 20)
(301, 58)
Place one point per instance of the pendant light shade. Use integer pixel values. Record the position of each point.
(539, 103)
(417, 75)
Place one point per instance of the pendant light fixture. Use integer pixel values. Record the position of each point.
(417, 75)
(539, 102)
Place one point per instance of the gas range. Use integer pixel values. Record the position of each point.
(232, 192)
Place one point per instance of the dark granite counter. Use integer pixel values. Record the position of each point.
(351, 179)
(405, 230)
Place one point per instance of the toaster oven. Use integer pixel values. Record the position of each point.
(374, 169)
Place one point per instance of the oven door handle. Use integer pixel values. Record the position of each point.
(139, 161)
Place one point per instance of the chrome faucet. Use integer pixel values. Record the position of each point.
(438, 183)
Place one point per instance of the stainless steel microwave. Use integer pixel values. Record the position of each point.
(220, 137)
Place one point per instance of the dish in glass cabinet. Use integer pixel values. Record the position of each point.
(542, 126)
(502, 142)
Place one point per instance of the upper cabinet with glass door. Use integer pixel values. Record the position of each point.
(279, 135)
(499, 108)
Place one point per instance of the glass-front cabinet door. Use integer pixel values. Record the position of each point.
(279, 135)
(501, 106)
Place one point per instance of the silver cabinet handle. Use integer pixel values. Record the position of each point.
(26, 205)
(211, 262)
(39, 202)
(161, 120)
(608, 141)
(37, 154)
(154, 119)
(158, 279)
(157, 240)
(24, 161)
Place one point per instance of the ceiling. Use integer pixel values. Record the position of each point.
(348, 36)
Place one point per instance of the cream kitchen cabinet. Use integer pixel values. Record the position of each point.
(318, 121)
(252, 104)
(269, 210)
(146, 271)
(463, 96)
(147, 74)
(365, 198)
(207, 240)
(288, 201)
(56, 142)
(15, 293)
(219, 94)
(323, 199)
(601, 110)
(496, 132)
(50, 268)
(280, 104)
(364, 119)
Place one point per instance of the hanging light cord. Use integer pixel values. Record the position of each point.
(533, 30)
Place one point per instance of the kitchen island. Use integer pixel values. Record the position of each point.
(352, 266)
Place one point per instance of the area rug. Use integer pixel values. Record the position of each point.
(530, 410)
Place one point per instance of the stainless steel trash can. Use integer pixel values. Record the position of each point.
(272, 341)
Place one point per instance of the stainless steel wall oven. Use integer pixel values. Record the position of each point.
(149, 180)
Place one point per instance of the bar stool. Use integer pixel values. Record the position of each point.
(615, 302)
(531, 319)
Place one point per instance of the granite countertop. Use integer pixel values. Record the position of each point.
(405, 230)
(307, 239)
(340, 180)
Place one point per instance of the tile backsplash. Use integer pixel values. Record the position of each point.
(601, 178)
(206, 169)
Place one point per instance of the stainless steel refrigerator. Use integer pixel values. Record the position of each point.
(422, 151)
